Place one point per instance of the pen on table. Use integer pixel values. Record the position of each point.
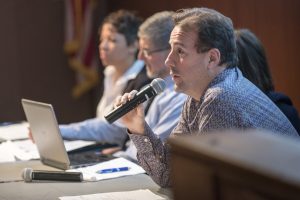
(111, 170)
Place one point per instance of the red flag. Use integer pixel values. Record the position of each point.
(79, 44)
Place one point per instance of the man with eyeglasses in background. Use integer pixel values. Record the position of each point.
(164, 111)
(147, 53)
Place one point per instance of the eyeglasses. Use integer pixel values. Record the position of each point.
(148, 53)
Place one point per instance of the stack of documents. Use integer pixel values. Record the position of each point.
(26, 150)
(15, 144)
(6, 152)
(14, 131)
(110, 169)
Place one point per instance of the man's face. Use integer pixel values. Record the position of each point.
(188, 68)
(113, 49)
(154, 58)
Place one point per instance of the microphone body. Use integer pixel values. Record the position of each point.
(29, 175)
(154, 88)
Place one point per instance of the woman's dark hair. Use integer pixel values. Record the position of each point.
(252, 60)
(126, 22)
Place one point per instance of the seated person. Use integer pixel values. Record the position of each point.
(118, 47)
(254, 66)
(203, 65)
(164, 111)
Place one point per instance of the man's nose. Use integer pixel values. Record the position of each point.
(141, 55)
(168, 61)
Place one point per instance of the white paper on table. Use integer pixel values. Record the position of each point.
(126, 195)
(26, 150)
(6, 153)
(90, 173)
(20, 150)
(14, 131)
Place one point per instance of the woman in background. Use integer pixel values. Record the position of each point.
(118, 47)
(254, 66)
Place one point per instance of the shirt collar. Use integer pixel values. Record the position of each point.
(226, 74)
(130, 73)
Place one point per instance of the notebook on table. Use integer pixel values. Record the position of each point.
(46, 134)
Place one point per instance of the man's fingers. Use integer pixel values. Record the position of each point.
(124, 98)
(120, 100)
(132, 94)
(117, 101)
(30, 135)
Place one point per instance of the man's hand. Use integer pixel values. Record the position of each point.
(135, 119)
(30, 135)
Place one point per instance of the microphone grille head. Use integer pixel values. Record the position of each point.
(158, 85)
(27, 174)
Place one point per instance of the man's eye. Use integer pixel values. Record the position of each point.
(180, 51)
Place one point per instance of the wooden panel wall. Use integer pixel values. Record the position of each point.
(275, 22)
(33, 64)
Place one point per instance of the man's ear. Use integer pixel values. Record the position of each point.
(133, 48)
(214, 58)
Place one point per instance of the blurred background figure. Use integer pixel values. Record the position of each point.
(254, 66)
(164, 112)
(118, 47)
(161, 113)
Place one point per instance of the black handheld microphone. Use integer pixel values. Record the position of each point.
(29, 175)
(155, 87)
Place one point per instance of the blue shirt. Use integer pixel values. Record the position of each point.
(97, 129)
(162, 117)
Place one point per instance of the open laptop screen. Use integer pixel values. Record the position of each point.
(46, 134)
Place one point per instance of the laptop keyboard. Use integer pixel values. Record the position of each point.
(88, 158)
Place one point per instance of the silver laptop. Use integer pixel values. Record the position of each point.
(48, 139)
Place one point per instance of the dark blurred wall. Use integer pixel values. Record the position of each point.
(33, 64)
(275, 22)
